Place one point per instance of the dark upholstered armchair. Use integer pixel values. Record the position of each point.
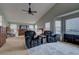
(29, 37)
(49, 37)
(31, 40)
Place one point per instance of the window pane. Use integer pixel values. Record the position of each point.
(47, 26)
(0, 20)
(36, 27)
(57, 27)
(31, 27)
(72, 26)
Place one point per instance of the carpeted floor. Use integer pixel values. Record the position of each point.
(14, 46)
(58, 48)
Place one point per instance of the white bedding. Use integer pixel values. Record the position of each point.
(58, 48)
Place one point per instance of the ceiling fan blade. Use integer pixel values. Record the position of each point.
(29, 4)
(24, 10)
(29, 11)
(34, 11)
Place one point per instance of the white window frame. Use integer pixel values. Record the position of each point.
(0, 20)
(58, 27)
(47, 25)
(31, 27)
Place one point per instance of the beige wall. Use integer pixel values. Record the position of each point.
(57, 10)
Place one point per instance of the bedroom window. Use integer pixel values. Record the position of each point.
(72, 26)
(0, 20)
(47, 26)
(31, 27)
(14, 29)
(36, 27)
(58, 27)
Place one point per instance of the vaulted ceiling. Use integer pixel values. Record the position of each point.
(13, 11)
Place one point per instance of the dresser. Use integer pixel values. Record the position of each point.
(2, 36)
(22, 29)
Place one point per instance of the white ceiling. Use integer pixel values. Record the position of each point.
(13, 12)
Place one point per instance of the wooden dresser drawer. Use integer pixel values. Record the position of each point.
(2, 36)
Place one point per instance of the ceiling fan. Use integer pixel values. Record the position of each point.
(29, 11)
